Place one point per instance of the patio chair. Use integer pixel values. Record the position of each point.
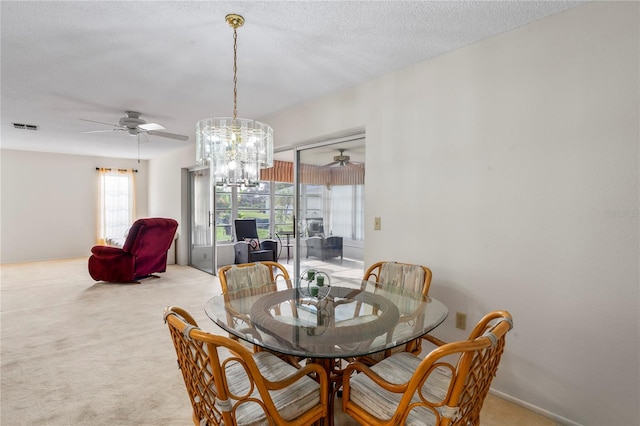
(324, 248)
(248, 247)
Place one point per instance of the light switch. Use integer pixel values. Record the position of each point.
(377, 223)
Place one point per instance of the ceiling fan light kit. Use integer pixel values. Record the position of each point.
(235, 148)
(341, 159)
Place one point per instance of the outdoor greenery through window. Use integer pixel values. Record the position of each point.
(338, 210)
(255, 203)
(224, 214)
(283, 207)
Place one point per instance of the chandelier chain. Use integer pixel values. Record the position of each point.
(235, 73)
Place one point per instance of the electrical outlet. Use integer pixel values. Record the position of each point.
(461, 321)
(377, 223)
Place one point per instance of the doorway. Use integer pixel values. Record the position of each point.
(330, 207)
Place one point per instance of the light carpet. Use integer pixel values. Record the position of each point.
(77, 352)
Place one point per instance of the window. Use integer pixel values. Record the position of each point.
(117, 207)
(335, 211)
(314, 206)
(283, 207)
(313, 209)
(255, 203)
(338, 210)
(224, 214)
(347, 213)
(249, 203)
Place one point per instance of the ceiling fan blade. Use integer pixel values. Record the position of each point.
(100, 122)
(330, 164)
(102, 131)
(168, 135)
(355, 165)
(151, 126)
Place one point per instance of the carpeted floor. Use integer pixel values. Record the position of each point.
(77, 352)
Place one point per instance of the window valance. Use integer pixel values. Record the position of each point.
(282, 171)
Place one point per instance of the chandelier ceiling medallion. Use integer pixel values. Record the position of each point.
(235, 148)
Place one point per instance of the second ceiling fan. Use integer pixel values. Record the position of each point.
(342, 160)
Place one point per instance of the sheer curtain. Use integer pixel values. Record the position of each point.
(117, 203)
(346, 204)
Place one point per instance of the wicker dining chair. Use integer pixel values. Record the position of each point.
(259, 277)
(228, 385)
(234, 277)
(408, 276)
(416, 278)
(405, 390)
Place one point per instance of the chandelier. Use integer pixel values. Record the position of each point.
(235, 148)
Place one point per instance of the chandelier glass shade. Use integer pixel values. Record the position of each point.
(235, 148)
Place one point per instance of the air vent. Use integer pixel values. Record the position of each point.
(25, 126)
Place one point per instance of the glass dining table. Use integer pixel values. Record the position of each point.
(330, 324)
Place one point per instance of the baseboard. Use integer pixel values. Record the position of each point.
(534, 408)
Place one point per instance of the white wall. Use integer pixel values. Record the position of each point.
(50, 203)
(510, 168)
(168, 192)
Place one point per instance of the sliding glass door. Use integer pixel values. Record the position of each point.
(202, 238)
(330, 207)
(311, 203)
(214, 209)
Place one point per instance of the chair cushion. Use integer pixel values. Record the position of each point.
(244, 277)
(408, 277)
(398, 369)
(247, 276)
(290, 402)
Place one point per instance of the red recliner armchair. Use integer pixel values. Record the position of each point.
(144, 252)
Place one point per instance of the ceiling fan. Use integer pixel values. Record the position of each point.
(343, 160)
(134, 125)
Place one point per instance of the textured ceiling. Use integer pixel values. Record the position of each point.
(172, 61)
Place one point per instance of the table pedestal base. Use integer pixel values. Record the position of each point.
(334, 373)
